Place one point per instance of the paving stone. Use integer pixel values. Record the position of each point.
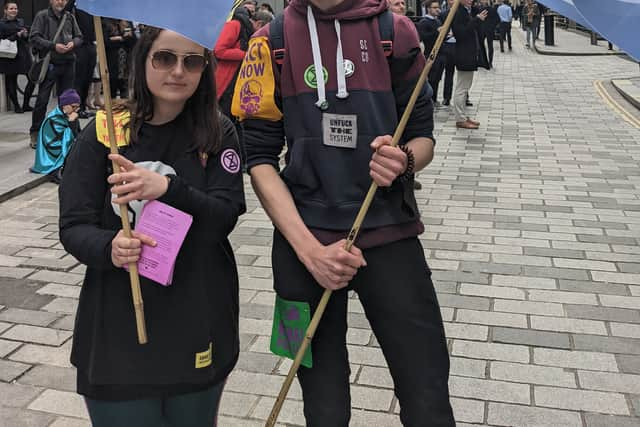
(39, 354)
(620, 301)
(531, 337)
(492, 318)
(29, 317)
(56, 289)
(563, 297)
(36, 334)
(9, 370)
(61, 403)
(575, 359)
(20, 293)
(70, 422)
(464, 367)
(377, 377)
(257, 362)
(62, 306)
(483, 389)
(598, 420)
(65, 323)
(57, 277)
(237, 404)
(491, 351)
(560, 253)
(628, 364)
(561, 324)
(466, 410)
(466, 331)
(502, 414)
(581, 400)
(607, 381)
(602, 313)
(524, 282)
(532, 374)
(528, 307)
(7, 347)
(625, 330)
(17, 395)
(51, 377)
(607, 344)
(458, 301)
(491, 291)
(556, 273)
(14, 417)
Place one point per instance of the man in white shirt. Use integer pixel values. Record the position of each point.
(506, 16)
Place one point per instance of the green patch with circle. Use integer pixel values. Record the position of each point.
(310, 76)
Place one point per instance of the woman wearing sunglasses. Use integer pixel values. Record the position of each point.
(175, 148)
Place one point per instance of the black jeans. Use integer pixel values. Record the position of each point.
(435, 75)
(487, 42)
(62, 76)
(85, 64)
(401, 305)
(448, 51)
(11, 86)
(505, 31)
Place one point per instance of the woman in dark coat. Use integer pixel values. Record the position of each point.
(119, 41)
(13, 28)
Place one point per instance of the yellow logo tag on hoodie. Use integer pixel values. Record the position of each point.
(254, 95)
(120, 119)
(204, 358)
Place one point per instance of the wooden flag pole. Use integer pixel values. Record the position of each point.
(353, 234)
(124, 212)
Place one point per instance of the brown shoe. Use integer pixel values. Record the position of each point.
(473, 122)
(466, 125)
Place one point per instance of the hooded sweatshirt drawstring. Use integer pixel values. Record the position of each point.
(317, 62)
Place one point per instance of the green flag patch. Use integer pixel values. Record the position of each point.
(290, 322)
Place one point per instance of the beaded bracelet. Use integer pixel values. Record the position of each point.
(411, 164)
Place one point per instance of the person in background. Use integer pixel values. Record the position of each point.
(487, 30)
(465, 28)
(428, 30)
(57, 134)
(180, 151)
(250, 6)
(397, 6)
(13, 28)
(448, 51)
(230, 49)
(267, 8)
(119, 39)
(531, 16)
(86, 56)
(62, 66)
(506, 17)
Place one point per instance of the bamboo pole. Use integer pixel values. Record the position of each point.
(134, 278)
(355, 229)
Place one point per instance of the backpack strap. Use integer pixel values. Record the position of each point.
(385, 27)
(276, 38)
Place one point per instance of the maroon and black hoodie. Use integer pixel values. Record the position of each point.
(329, 182)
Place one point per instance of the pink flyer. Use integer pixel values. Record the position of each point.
(168, 227)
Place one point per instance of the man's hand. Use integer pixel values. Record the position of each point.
(62, 48)
(387, 163)
(125, 250)
(483, 15)
(135, 183)
(332, 266)
(72, 116)
(70, 46)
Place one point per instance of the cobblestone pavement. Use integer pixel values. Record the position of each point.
(533, 232)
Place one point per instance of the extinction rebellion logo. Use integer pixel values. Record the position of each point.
(310, 76)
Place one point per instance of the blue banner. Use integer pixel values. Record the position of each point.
(618, 21)
(198, 20)
(568, 9)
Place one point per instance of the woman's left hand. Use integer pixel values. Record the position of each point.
(387, 163)
(135, 183)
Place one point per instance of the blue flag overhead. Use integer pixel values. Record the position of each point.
(616, 21)
(198, 20)
(567, 9)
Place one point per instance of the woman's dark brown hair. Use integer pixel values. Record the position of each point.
(200, 111)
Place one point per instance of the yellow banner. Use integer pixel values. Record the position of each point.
(120, 119)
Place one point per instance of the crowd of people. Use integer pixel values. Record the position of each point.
(328, 79)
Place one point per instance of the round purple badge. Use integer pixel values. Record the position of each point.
(230, 160)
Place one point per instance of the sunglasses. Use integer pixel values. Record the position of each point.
(165, 60)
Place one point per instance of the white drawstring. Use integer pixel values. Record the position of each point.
(342, 82)
(317, 59)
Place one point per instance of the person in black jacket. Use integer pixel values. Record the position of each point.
(62, 50)
(465, 29)
(428, 30)
(176, 148)
(487, 30)
(85, 56)
(13, 28)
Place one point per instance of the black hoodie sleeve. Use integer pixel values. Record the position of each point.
(406, 65)
(82, 196)
(223, 200)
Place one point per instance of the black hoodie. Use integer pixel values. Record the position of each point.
(197, 312)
